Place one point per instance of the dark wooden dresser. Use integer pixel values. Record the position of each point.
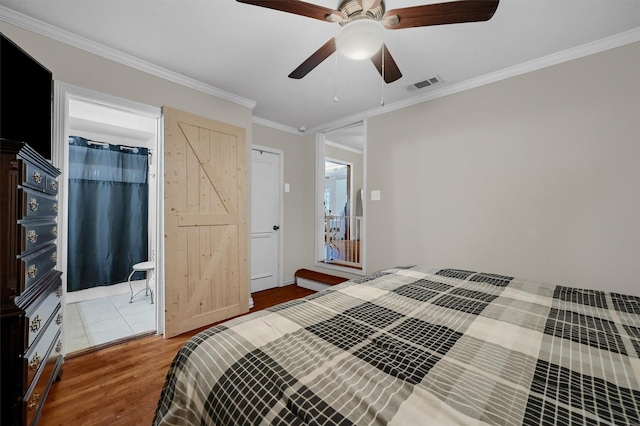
(31, 288)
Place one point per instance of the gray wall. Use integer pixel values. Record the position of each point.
(535, 176)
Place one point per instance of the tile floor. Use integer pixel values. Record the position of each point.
(96, 321)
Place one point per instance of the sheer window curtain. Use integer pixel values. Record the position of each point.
(108, 213)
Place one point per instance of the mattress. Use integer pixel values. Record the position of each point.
(417, 346)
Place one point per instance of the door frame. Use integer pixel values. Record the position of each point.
(319, 228)
(280, 154)
(63, 93)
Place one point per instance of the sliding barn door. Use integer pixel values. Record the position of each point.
(206, 239)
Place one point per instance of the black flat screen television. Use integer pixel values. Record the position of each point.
(26, 98)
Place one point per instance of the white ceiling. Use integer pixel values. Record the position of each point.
(248, 51)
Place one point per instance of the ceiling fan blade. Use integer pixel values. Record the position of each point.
(391, 70)
(455, 12)
(314, 60)
(299, 8)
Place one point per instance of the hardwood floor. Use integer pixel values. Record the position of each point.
(121, 384)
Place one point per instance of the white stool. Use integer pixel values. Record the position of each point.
(142, 266)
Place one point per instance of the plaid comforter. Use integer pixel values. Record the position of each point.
(414, 346)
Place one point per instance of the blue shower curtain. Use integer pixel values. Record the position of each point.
(108, 213)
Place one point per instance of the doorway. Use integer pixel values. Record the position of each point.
(340, 218)
(342, 227)
(266, 218)
(103, 312)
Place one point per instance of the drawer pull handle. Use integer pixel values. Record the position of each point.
(54, 256)
(59, 347)
(37, 178)
(59, 319)
(33, 204)
(32, 271)
(55, 207)
(54, 185)
(54, 231)
(33, 237)
(35, 324)
(35, 362)
(33, 401)
(59, 291)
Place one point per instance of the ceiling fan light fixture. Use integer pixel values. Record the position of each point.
(360, 39)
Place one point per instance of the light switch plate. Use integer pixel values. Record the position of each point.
(286, 187)
(375, 195)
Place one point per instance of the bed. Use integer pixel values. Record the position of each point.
(417, 346)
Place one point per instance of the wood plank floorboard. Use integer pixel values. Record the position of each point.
(121, 384)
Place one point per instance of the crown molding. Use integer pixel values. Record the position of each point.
(277, 126)
(587, 49)
(28, 23)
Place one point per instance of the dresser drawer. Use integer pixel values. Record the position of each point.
(37, 317)
(34, 266)
(36, 205)
(35, 357)
(52, 186)
(33, 177)
(36, 234)
(34, 397)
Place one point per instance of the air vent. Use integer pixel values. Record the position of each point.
(426, 83)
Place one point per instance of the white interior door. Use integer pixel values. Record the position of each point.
(265, 219)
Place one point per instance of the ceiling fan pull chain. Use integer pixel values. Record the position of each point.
(335, 96)
(382, 79)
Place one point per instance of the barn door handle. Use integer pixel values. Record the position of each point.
(276, 227)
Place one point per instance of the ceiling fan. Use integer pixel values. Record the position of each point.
(365, 21)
